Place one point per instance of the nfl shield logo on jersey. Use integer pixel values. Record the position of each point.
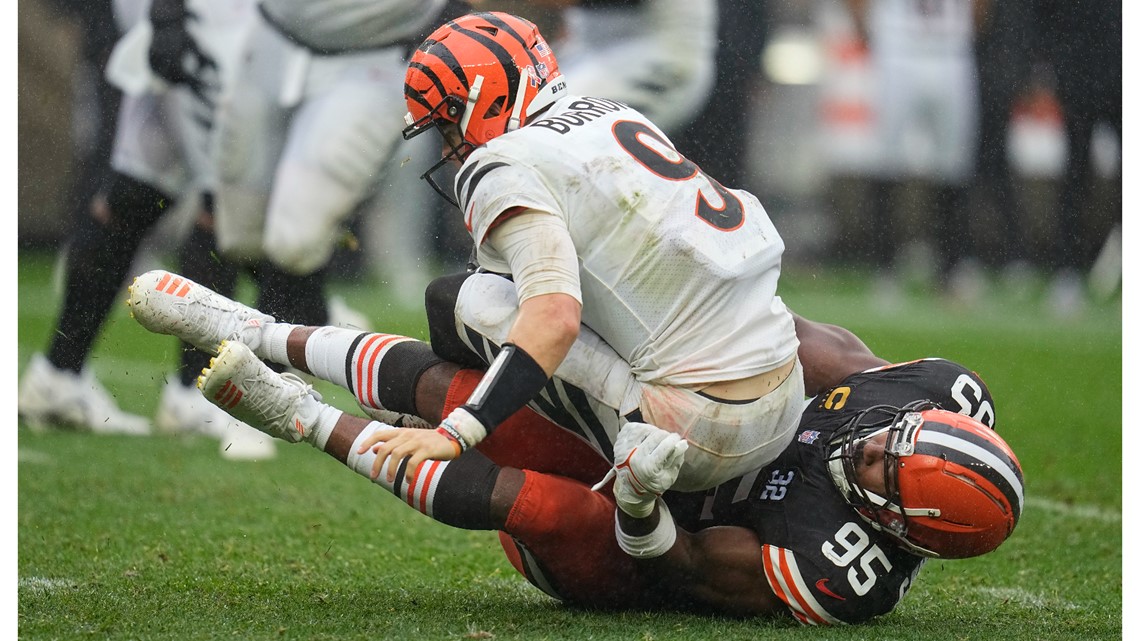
(808, 436)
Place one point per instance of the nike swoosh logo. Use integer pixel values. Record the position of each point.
(821, 585)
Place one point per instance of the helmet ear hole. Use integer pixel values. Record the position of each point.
(496, 108)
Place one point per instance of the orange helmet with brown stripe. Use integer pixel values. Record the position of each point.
(953, 487)
(487, 73)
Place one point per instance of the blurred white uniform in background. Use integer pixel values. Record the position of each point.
(657, 56)
(310, 122)
(163, 132)
(926, 102)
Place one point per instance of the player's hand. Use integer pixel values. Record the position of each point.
(647, 461)
(416, 445)
(175, 57)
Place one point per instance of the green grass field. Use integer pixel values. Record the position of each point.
(160, 538)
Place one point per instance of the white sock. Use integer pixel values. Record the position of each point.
(320, 418)
(274, 339)
(332, 351)
(362, 463)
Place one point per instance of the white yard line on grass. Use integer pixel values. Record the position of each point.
(39, 584)
(25, 455)
(1074, 509)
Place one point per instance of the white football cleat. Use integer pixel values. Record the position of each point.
(55, 398)
(166, 303)
(281, 405)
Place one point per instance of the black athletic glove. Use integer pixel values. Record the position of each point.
(174, 55)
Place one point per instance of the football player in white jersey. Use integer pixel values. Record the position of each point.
(309, 124)
(170, 63)
(868, 470)
(601, 223)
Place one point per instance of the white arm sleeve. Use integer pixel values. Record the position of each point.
(538, 247)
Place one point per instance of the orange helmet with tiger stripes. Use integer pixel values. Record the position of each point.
(487, 73)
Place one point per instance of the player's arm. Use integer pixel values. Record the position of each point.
(720, 568)
(829, 354)
(544, 265)
(174, 55)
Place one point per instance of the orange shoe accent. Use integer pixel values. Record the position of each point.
(173, 286)
(229, 395)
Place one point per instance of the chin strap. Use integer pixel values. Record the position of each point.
(472, 98)
(520, 94)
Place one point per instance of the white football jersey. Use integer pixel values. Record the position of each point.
(337, 25)
(678, 273)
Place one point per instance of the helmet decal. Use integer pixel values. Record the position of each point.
(971, 450)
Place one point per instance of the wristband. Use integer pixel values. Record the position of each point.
(651, 545)
(450, 434)
(464, 428)
(512, 380)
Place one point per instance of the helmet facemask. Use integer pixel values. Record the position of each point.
(886, 512)
(440, 118)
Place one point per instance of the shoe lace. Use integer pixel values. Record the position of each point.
(301, 383)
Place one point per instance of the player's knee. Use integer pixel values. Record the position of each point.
(440, 297)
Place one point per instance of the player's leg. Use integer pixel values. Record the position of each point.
(57, 388)
(561, 532)
(339, 141)
(381, 370)
(148, 171)
(594, 392)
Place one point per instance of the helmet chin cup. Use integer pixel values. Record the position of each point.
(431, 179)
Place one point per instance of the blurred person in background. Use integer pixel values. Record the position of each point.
(170, 63)
(925, 122)
(717, 136)
(304, 134)
(1082, 44)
